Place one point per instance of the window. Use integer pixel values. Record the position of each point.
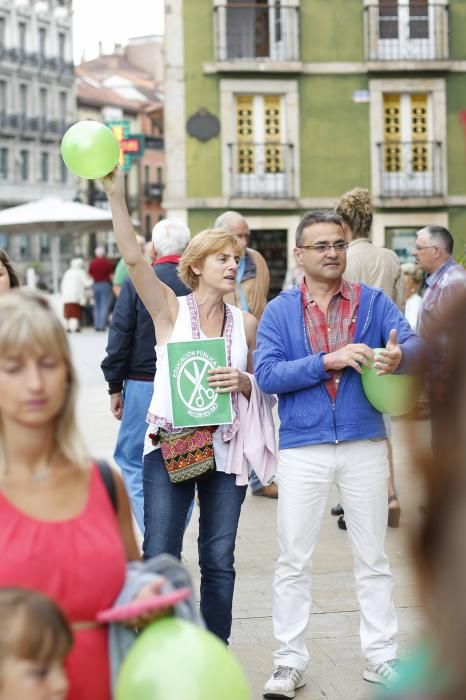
(22, 36)
(43, 102)
(160, 175)
(146, 174)
(3, 163)
(61, 46)
(148, 226)
(63, 100)
(44, 244)
(42, 41)
(2, 32)
(406, 29)
(44, 166)
(258, 29)
(24, 245)
(24, 165)
(3, 97)
(63, 170)
(260, 155)
(23, 100)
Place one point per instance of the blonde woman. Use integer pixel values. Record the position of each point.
(412, 276)
(208, 266)
(60, 534)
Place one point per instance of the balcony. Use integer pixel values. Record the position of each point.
(410, 169)
(417, 31)
(153, 190)
(263, 170)
(248, 31)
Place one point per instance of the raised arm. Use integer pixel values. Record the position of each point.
(159, 300)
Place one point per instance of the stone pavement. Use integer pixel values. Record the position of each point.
(335, 670)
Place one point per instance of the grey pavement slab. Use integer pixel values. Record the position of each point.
(335, 670)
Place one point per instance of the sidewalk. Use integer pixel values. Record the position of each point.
(335, 670)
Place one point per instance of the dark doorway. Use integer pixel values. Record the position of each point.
(273, 246)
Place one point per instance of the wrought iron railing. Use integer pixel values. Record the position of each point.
(264, 170)
(256, 31)
(418, 31)
(410, 169)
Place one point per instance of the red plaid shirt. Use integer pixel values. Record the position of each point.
(334, 331)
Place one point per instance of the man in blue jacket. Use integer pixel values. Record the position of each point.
(129, 366)
(312, 342)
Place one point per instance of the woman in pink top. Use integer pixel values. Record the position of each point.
(59, 531)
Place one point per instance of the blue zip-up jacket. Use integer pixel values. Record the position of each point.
(285, 364)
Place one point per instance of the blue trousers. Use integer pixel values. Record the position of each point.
(130, 442)
(166, 508)
(102, 293)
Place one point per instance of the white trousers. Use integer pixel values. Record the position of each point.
(305, 475)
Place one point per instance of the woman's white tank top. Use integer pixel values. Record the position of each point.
(160, 409)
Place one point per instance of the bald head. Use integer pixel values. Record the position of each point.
(232, 222)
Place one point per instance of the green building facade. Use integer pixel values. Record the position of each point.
(276, 107)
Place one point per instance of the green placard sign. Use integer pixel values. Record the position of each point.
(194, 402)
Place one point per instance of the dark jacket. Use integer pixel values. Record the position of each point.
(131, 337)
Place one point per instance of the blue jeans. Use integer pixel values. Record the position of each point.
(220, 501)
(130, 442)
(254, 482)
(102, 293)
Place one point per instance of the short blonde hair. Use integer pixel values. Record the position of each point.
(208, 242)
(27, 320)
(355, 208)
(412, 270)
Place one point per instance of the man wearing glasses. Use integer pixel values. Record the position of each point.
(445, 278)
(312, 342)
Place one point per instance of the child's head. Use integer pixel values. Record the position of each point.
(34, 641)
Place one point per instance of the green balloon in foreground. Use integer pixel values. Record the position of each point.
(394, 394)
(176, 660)
(90, 149)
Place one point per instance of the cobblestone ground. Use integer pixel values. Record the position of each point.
(335, 670)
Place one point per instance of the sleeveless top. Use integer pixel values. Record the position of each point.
(79, 563)
(187, 328)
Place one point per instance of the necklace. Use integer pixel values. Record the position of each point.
(41, 476)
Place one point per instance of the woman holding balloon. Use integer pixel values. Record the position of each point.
(209, 267)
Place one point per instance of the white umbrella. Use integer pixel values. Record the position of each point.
(55, 217)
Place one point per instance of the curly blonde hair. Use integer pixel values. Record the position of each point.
(208, 242)
(356, 209)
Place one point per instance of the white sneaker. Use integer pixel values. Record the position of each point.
(283, 683)
(384, 673)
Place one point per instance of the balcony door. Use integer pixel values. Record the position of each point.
(405, 30)
(408, 151)
(255, 29)
(259, 162)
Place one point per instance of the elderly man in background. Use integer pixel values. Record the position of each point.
(130, 364)
(251, 289)
(252, 277)
(445, 281)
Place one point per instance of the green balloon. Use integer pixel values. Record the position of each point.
(175, 659)
(90, 149)
(393, 394)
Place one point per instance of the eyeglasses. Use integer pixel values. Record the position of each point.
(322, 248)
(423, 247)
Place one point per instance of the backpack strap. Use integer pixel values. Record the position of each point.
(109, 482)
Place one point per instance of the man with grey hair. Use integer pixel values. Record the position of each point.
(252, 277)
(130, 364)
(101, 271)
(445, 278)
(251, 289)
